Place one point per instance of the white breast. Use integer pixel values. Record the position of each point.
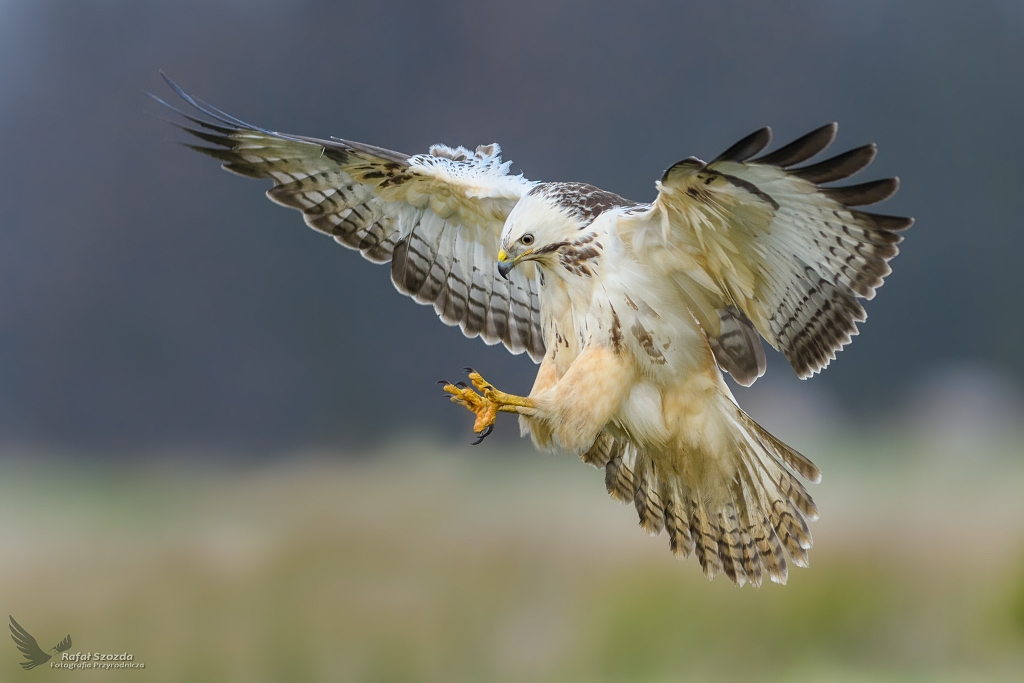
(622, 306)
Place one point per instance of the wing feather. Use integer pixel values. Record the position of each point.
(865, 193)
(479, 294)
(747, 147)
(838, 167)
(436, 218)
(792, 256)
(802, 148)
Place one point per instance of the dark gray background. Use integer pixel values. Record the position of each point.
(149, 300)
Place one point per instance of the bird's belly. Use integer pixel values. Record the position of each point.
(641, 415)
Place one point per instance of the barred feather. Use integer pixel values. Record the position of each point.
(705, 534)
(751, 557)
(743, 526)
(605, 448)
(785, 525)
(730, 545)
(737, 347)
(379, 202)
(678, 526)
(771, 551)
(647, 499)
(618, 475)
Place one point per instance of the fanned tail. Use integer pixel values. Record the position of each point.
(741, 516)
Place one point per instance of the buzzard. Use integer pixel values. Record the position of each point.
(632, 310)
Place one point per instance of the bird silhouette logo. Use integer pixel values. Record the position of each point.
(30, 648)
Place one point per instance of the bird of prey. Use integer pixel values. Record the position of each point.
(30, 648)
(632, 310)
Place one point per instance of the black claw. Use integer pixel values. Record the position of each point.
(462, 385)
(468, 369)
(443, 381)
(483, 435)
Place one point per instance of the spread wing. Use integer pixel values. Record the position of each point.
(764, 245)
(28, 646)
(436, 218)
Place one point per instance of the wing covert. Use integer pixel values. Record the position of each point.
(436, 218)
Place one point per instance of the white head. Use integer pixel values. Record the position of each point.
(548, 218)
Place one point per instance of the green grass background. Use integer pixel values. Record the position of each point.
(419, 563)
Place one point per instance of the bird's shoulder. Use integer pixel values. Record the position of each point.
(586, 202)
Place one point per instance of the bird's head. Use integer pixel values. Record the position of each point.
(544, 221)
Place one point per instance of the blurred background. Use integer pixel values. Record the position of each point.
(193, 468)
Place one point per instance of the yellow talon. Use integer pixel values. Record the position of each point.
(488, 403)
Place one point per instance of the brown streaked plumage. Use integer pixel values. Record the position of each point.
(584, 201)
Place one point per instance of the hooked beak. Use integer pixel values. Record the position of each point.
(505, 264)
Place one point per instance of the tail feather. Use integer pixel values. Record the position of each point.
(794, 491)
(605, 448)
(618, 475)
(751, 559)
(783, 523)
(785, 512)
(796, 463)
(740, 517)
(775, 563)
(730, 546)
(796, 525)
(759, 484)
(678, 526)
(751, 556)
(766, 541)
(649, 503)
(705, 534)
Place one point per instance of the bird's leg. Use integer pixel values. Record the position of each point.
(487, 404)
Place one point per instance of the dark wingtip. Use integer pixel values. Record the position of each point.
(838, 167)
(178, 89)
(803, 148)
(747, 147)
(879, 221)
(210, 110)
(865, 193)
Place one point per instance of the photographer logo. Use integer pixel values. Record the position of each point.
(62, 659)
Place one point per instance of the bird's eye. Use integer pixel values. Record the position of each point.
(526, 239)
